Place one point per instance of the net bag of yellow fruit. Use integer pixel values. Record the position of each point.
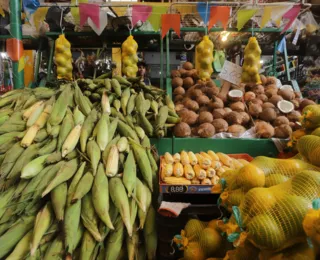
(63, 58)
(309, 147)
(251, 64)
(271, 218)
(204, 58)
(129, 57)
(310, 118)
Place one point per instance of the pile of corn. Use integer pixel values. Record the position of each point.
(76, 178)
(200, 168)
(146, 109)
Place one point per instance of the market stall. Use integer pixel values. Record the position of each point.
(97, 164)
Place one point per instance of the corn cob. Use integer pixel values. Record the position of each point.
(146, 125)
(130, 174)
(140, 132)
(105, 104)
(54, 249)
(34, 167)
(65, 129)
(150, 234)
(115, 240)
(78, 116)
(71, 141)
(87, 246)
(142, 159)
(94, 155)
(82, 101)
(213, 155)
(236, 164)
(102, 132)
(112, 164)
(64, 174)
(60, 107)
(10, 159)
(89, 217)
(59, 200)
(87, 129)
(143, 214)
(83, 187)
(166, 170)
(54, 157)
(206, 181)
(168, 158)
(131, 104)
(120, 199)
(100, 196)
(16, 232)
(112, 129)
(243, 161)
(71, 226)
(35, 115)
(204, 162)
(42, 119)
(195, 181)
(127, 131)
(176, 157)
(189, 172)
(30, 136)
(215, 180)
(178, 170)
(177, 181)
(41, 135)
(225, 159)
(30, 110)
(200, 173)
(184, 158)
(216, 165)
(211, 172)
(22, 248)
(43, 221)
(133, 244)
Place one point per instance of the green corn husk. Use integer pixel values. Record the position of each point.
(142, 160)
(34, 167)
(131, 104)
(145, 124)
(10, 159)
(60, 107)
(89, 217)
(139, 103)
(102, 132)
(124, 100)
(65, 129)
(93, 152)
(87, 129)
(117, 114)
(22, 249)
(122, 81)
(30, 101)
(143, 214)
(122, 144)
(71, 226)
(49, 147)
(119, 197)
(54, 158)
(55, 131)
(59, 200)
(88, 245)
(54, 251)
(140, 132)
(3, 119)
(75, 180)
(133, 244)
(162, 117)
(116, 87)
(9, 239)
(41, 135)
(83, 187)
(64, 174)
(117, 104)
(78, 116)
(146, 144)
(115, 240)
(5, 199)
(130, 174)
(150, 234)
(100, 196)
(73, 155)
(112, 129)
(105, 153)
(129, 120)
(127, 131)
(82, 101)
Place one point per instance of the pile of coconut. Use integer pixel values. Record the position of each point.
(203, 113)
(276, 111)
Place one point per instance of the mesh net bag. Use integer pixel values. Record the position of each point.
(271, 218)
(309, 147)
(311, 117)
(231, 198)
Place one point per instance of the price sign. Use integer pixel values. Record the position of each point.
(231, 72)
(177, 189)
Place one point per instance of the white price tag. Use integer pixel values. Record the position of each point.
(231, 72)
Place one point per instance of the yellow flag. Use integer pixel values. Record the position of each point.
(155, 16)
(22, 63)
(266, 16)
(243, 16)
(2, 12)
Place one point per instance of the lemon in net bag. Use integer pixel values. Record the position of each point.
(311, 117)
(309, 147)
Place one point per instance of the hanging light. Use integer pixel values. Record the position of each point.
(224, 36)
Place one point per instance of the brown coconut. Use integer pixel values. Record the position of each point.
(267, 105)
(256, 101)
(179, 91)
(287, 94)
(233, 118)
(220, 125)
(218, 113)
(275, 99)
(188, 82)
(182, 130)
(281, 120)
(191, 104)
(245, 118)
(236, 130)
(195, 93)
(248, 96)
(204, 108)
(306, 102)
(264, 129)
(177, 82)
(216, 103)
(263, 97)
(259, 89)
(182, 72)
(178, 98)
(205, 117)
(270, 92)
(294, 116)
(179, 107)
(188, 66)
(255, 110)
(263, 80)
(268, 114)
(188, 116)
(271, 81)
(175, 73)
(283, 131)
(227, 110)
(203, 100)
(296, 103)
(206, 130)
(237, 106)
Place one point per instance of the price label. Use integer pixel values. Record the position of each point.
(231, 72)
(177, 189)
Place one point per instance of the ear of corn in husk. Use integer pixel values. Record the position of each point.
(71, 141)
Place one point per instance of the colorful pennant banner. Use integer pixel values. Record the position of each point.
(91, 11)
(291, 15)
(219, 13)
(203, 9)
(154, 18)
(140, 13)
(243, 16)
(170, 21)
(266, 16)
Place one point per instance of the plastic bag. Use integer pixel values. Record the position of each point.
(30, 6)
(308, 20)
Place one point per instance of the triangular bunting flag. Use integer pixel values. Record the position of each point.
(103, 22)
(266, 16)
(278, 12)
(170, 21)
(291, 15)
(154, 18)
(243, 16)
(219, 13)
(203, 9)
(140, 13)
(89, 11)
(21, 64)
(282, 45)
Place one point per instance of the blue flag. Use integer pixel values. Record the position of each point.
(203, 9)
(31, 6)
(282, 45)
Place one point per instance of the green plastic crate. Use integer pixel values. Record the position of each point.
(163, 145)
(253, 147)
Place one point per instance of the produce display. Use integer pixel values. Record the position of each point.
(129, 57)
(203, 168)
(76, 177)
(63, 58)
